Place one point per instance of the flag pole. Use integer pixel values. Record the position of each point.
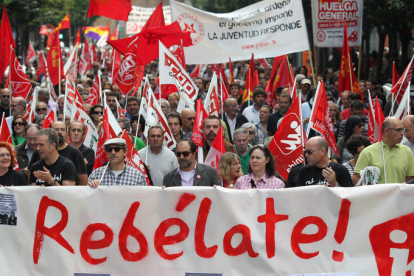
(311, 65)
(359, 62)
(60, 77)
(316, 62)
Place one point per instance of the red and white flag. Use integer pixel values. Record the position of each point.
(19, 83)
(133, 159)
(201, 115)
(288, 142)
(31, 106)
(171, 72)
(70, 69)
(401, 86)
(50, 118)
(85, 61)
(404, 107)
(100, 157)
(211, 103)
(41, 67)
(116, 64)
(179, 55)
(96, 91)
(320, 118)
(31, 55)
(121, 112)
(375, 120)
(126, 76)
(216, 151)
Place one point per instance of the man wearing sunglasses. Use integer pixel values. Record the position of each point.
(320, 170)
(189, 172)
(117, 172)
(399, 160)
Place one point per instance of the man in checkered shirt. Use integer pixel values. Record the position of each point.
(117, 172)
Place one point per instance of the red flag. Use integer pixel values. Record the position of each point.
(288, 142)
(95, 94)
(347, 78)
(116, 64)
(320, 119)
(126, 76)
(248, 90)
(282, 79)
(401, 86)
(31, 54)
(179, 55)
(263, 62)
(105, 135)
(115, 9)
(44, 30)
(50, 118)
(223, 77)
(196, 73)
(114, 35)
(6, 42)
(19, 83)
(201, 114)
(41, 67)
(64, 24)
(133, 158)
(78, 38)
(5, 135)
(54, 60)
(270, 88)
(379, 118)
(85, 62)
(395, 75)
(231, 71)
(216, 151)
(375, 120)
(148, 41)
(94, 54)
(253, 79)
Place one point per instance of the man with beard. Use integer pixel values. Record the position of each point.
(211, 126)
(68, 151)
(189, 172)
(51, 169)
(77, 131)
(117, 172)
(159, 159)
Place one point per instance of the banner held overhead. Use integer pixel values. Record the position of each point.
(267, 29)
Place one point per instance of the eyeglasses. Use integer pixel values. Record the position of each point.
(251, 132)
(18, 124)
(397, 129)
(98, 112)
(5, 155)
(116, 149)
(30, 139)
(6, 96)
(184, 153)
(41, 109)
(361, 125)
(309, 152)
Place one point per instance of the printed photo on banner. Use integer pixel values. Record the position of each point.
(8, 209)
(267, 28)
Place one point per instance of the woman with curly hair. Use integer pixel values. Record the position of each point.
(8, 176)
(261, 171)
(229, 169)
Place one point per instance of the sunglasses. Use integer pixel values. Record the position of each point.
(184, 153)
(41, 109)
(308, 152)
(361, 125)
(251, 132)
(6, 96)
(116, 149)
(18, 124)
(98, 112)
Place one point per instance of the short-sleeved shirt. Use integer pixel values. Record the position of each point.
(311, 175)
(251, 114)
(245, 182)
(399, 162)
(128, 176)
(245, 160)
(62, 169)
(13, 178)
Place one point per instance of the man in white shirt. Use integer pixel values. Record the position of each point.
(252, 113)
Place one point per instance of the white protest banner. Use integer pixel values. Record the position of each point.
(127, 230)
(329, 18)
(139, 16)
(267, 29)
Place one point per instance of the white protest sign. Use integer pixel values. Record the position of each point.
(328, 21)
(267, 29)
(127, 230)
(139, 16)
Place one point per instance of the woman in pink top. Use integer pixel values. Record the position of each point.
(261, 171)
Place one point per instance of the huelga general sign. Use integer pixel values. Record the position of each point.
(153, 231)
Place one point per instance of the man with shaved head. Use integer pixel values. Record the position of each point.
(408, 139)
(18, 107)
(188, 118)
(399, 160)
(320, 170)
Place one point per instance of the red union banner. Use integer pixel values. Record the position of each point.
(71, 230)
(329, 18)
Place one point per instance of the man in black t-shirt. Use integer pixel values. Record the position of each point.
(77, 132)
(52, 169)
(68, 151)
(319, 169)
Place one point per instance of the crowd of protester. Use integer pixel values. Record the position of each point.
(57, 156)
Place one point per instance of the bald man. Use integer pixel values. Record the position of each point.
(188, 118)
(399, 160)
(408, 139)
(320, 170)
